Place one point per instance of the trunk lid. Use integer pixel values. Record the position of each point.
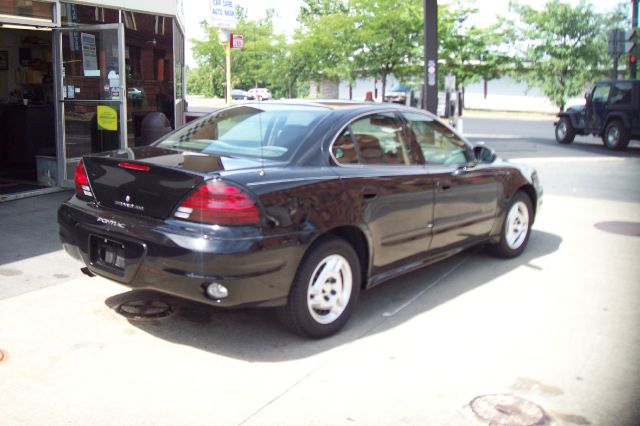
(152, 181)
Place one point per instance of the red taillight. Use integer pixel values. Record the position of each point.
(219, 203)
(82, 181)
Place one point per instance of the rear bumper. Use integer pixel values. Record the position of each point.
(180, 258)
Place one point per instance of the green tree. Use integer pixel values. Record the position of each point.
(323, 45)
(322, 48)
(312, 10)
(563, 48)
(388, 34)
(467, 51)
(260, 63)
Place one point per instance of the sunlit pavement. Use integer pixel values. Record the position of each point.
(558, 327)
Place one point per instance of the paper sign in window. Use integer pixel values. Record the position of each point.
(107, 118)
(89, 55)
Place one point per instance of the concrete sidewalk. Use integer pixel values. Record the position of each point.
(31, 257)
(557, 327)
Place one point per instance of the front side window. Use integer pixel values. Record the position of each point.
(601, 93)
(438, 143)
(374, 139)
(247, 131)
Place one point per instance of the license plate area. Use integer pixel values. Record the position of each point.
(108, 254)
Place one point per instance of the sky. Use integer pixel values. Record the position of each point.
(287, 12)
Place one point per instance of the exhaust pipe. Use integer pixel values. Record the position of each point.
(87, 272)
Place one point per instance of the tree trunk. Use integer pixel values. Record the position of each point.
(385, 73)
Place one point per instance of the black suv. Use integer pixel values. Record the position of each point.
(612, 111)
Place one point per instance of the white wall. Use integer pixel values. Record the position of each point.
(506, 94)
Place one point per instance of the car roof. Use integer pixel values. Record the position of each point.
(332, 104)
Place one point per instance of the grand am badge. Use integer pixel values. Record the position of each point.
(127, 204)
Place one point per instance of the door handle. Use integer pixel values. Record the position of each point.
(444, 185)
(369, 193)
(460, 171)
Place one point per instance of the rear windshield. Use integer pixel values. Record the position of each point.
(273, 132)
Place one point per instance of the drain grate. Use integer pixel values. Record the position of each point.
(629, 229)
(507, 410)
(3, 355)
(145, 309)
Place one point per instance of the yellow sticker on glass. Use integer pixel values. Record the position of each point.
(107, 118)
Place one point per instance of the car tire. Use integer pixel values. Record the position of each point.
(565, 133)
(615, 136)
(516, 227)
(324, 290)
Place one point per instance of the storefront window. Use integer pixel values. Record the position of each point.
(76, 14)
(149, 65)
(27, 9)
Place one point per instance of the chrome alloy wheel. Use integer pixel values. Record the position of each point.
(561, 130)
(613, 136)
(329, 289)
(517, 225)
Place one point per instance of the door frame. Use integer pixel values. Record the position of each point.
(59, 98)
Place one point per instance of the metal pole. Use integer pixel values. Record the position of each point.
(634, 24)
(431, 56)
(227, 51)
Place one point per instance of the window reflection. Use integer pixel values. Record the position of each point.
(76, 14)
(38, 10)
(149, 67)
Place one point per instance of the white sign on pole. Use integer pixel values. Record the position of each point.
(449, 82)
(223, 14)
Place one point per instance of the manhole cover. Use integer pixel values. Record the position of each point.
(630, 229)
(507, 410)
(144, 309)
(3, 355)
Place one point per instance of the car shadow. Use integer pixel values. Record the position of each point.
(255, 335)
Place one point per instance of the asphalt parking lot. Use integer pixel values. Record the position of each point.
(552, 337)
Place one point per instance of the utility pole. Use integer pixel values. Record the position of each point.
(430, 95)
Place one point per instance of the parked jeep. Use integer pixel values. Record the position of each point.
(612, 111)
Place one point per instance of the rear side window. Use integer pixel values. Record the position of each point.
(439, 144)
(621, 93)
(374, 139)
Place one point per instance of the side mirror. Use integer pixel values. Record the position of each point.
(484, 154)
(587, 97)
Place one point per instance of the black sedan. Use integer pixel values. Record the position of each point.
(294, 205)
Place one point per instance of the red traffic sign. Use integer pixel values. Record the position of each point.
(236, 41)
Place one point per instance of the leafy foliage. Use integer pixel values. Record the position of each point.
(389, 33)
(559, 48)
(261, 63)
(563, 48)
(466, 51)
